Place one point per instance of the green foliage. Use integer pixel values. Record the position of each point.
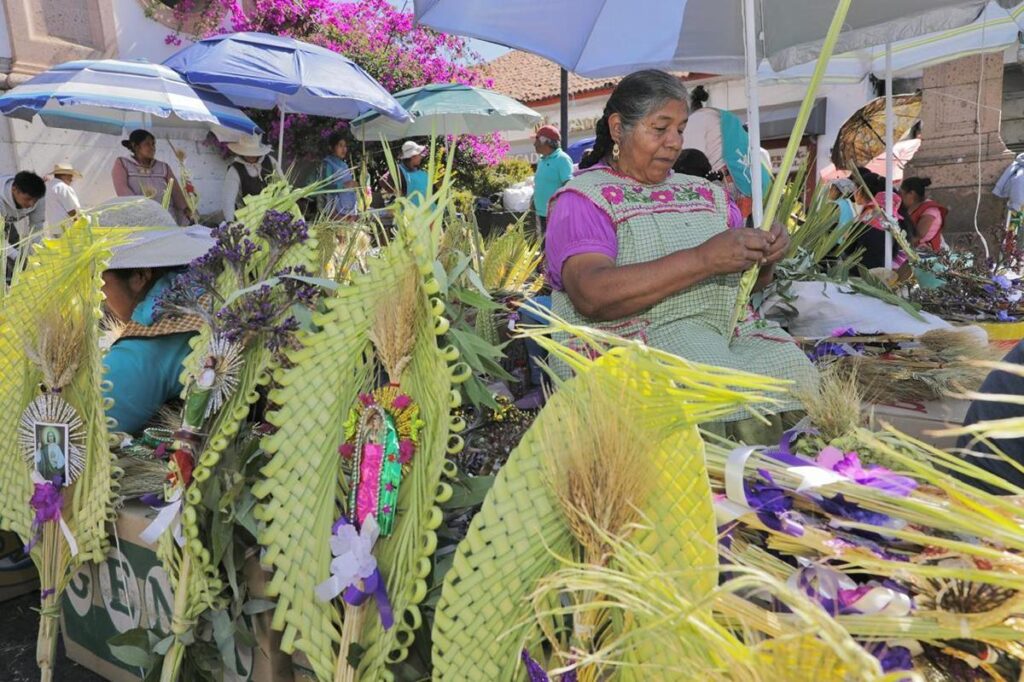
(462, 202)
(484, 181)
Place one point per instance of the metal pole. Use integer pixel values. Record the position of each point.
(753, 112)
(889, 165)
(280, 142)
(565, 110)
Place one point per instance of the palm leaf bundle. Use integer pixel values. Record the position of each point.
(890, 368)
(264, 263)
(939, 559)
(715, 635)
(58, 489)
(307, 488)
(546, 504)
(509, 270)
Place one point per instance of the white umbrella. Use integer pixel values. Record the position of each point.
(998, 28)
(448, 109)
(615, 37)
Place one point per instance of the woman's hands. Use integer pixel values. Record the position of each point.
(738, 250)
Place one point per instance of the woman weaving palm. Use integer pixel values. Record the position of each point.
(644, 253)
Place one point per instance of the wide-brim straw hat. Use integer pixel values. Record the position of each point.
(249, 146)
(162, 248)
(65, 169)
(156, 240)
(411, 149)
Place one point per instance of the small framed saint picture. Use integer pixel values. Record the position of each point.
(50, 458)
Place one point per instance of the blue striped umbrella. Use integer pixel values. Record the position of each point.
(112, 96)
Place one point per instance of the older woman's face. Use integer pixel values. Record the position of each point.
(648, 151)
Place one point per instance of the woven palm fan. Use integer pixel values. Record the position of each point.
(522, 529)
(52, 422)
(301, 496)
(210, 424)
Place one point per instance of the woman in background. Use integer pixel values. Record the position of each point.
(142, 175)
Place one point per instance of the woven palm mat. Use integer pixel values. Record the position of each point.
(300, 496)
(517, 536)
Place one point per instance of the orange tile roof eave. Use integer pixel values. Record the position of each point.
(600, 92)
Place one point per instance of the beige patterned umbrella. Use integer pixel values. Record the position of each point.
(862, 137)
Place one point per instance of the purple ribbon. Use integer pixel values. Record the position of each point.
(848, 464)
(47, 501)
(536, 672)
(373, 587)
(155, 500)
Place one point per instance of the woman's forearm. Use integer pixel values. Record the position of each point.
(602, 291)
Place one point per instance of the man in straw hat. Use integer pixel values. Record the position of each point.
(62, 200)
(144, 363)
(248, 173)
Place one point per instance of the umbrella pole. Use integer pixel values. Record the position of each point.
(753, 113)
(775, 196)
(889, 133)
(565, 109)
(280, 141)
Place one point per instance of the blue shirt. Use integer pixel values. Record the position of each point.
(343, 201)
(553, 171)
(846, 211)
(415, 182)
(144, 372)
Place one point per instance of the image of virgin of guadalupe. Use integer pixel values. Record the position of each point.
(50, 456)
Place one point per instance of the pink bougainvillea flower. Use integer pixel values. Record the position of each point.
(612, 194)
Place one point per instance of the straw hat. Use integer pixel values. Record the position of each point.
(411, 149)
(65, 169)
(162, 248)
(157, 241)
(249, 146)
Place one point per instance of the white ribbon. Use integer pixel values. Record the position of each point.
(353, 557)
(828, 582)
(735, 465)
(72, 545)
(815, 477)
(735, 503)
(167, 517)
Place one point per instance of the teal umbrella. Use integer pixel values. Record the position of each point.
(448, 109)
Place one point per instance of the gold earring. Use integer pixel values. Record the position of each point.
(615, 152)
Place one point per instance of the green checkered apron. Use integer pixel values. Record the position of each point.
(652, 221)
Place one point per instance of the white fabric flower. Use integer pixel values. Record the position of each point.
(353, 558)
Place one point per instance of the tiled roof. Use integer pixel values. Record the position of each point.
(529, 78)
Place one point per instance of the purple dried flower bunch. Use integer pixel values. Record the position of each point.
(268, 290)
(972, 288)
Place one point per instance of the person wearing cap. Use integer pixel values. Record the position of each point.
(141, 174)
(63, 200)
(554, 169)
(144, 363)
(249, 172)
(415, 181)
